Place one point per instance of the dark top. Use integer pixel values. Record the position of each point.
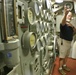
(66, 32)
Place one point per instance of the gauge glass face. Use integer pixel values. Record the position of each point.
(30, 16)
(36, 9)
(32, 40)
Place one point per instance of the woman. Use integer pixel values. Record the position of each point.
(66, 35)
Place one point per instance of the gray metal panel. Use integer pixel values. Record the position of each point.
(11, 45)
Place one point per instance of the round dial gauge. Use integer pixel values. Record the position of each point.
(47, 38)
(43, 41)
(28, 41)
(39, 44)
(46, 4)
(69, 5)
(37, 10)
(29, 16)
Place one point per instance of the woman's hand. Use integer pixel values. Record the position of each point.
(66, 10)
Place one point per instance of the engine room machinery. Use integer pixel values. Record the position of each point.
(28, 35)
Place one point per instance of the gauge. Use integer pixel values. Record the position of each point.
(44, 12)
(48, 27)
(39, 44)
(49, 17)
(35, 6)
(29, 16)
(46, 16)
(42, 27)
(69, 5)
(47, 38)
(28, 42)
(42, 54)
(45, 26)
(43, 41)
(37, 11)
(41, 11)
(46, 4)
(38, 29)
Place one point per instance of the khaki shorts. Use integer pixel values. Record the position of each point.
(64, 48)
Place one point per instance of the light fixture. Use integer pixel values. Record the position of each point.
(58, 1)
